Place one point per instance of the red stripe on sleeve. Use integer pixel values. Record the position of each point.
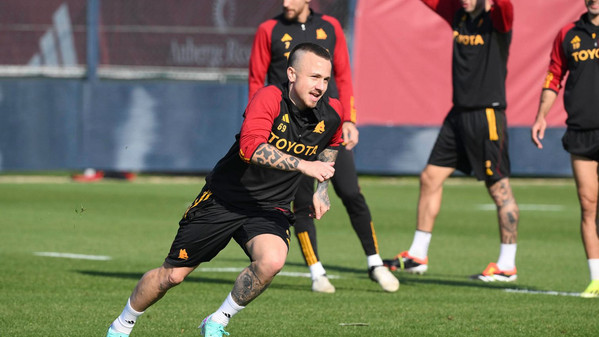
(338, 137)
(558, 66)
(259, 115)
(502, 14)
(342, 71)
(260, 57)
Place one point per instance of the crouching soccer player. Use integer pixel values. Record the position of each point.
(288, 131)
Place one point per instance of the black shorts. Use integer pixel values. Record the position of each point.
(207, 227)
(584, 143)
(474, 141)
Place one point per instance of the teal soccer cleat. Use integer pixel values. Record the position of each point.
(113, 333)
(210, 328)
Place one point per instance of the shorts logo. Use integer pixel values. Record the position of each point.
(319, 127)
(321, 34)
(183, 254)
(488, 165)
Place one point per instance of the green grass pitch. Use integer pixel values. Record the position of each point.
(134, 223)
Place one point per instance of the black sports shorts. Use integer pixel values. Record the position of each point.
(474, 141)
(584, 143)
(207, 227)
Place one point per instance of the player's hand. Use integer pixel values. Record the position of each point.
(321, 204)
(350, 135)
(317, 169)
(538, 132)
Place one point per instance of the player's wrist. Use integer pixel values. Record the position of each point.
(301, 166)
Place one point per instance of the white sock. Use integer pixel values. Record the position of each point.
(507, 256)
(125, 322)
(594, 269)
(317, 270)
(374, 260)
(420, 244)
(227, 310)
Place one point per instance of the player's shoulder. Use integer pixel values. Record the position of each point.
(335, 104)
(330, 19)
(565, 30)
(568, 27)
(268, 24)
(270, 93)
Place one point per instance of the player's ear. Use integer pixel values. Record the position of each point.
(291, 74)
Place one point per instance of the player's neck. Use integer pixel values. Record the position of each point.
(594, 19)
(478, 11)
(295, 99)
(303, 16)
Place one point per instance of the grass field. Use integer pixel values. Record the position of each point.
(134, 223)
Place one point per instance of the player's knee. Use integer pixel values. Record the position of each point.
(427, 179)
(348, 194)
(588, 206)
(173, 279)
(271, 266)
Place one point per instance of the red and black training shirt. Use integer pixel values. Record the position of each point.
(274, 40)
(272, 118)
(575, 50)
(480, 52)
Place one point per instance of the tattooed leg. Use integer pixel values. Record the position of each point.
(248, 286)
(508, 213)
(268, 253)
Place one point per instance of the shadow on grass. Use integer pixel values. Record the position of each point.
(330, 268)
(458, 281)
(195, 279)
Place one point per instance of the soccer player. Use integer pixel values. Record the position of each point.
(575, 51)
(473, 137)
(288, 131)
(272, 43)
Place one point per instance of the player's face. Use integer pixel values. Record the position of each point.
(293, 8)
(592, 6)
(469, 5)
(309, 80)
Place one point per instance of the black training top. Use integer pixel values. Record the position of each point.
(272, 118)
(480, 52)
(575, 50)
(274, 40)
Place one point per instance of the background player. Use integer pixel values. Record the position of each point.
(581, 101)
(247, 195)
(473, 137)
(273, 41)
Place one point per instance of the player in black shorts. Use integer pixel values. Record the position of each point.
(575, 51)
(288, 131)
(272, 43)
(473, 138)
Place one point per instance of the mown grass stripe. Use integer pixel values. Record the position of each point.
(74, 256)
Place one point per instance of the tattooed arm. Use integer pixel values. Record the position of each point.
(269, 156)
(321, 198)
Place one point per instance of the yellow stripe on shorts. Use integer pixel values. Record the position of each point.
(492, 124)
